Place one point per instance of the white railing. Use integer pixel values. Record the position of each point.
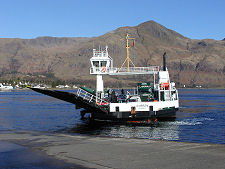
(138, 69)
(90, 97)
(125, 70)
(100, 54)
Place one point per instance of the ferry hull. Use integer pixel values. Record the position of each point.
(164, 114)
(99, 112)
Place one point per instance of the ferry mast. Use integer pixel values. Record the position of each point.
(128, 60)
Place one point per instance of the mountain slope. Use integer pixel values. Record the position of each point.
(191, 62)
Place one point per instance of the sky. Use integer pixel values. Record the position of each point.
(196, 19)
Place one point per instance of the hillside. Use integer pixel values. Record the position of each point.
(190, 61)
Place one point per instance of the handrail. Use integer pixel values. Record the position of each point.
(124, 70)
(90, 97)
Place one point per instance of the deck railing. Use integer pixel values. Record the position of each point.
(125, 70)
(90, 97)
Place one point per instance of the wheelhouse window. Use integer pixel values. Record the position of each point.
(96, 63)
(103, 63)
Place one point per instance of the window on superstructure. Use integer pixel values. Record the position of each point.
(103, 63)
(96, 63)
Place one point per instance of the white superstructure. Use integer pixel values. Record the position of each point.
(161, 95)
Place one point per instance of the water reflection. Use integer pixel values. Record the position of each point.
(159, 130)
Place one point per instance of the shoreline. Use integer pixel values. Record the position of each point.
(20, 89)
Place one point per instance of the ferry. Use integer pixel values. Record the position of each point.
(150, 101)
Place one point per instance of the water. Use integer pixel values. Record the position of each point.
(201, 118)
(20, 157)
(28, 110)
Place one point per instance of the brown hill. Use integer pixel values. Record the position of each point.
(191, 62)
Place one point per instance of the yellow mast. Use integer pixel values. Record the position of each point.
(128, 60)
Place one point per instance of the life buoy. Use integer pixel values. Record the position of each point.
(102, 103)
(164, 86)
(103, 69)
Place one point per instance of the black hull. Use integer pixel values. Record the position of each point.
(165, 114)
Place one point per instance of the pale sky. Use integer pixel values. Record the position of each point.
(196, 19)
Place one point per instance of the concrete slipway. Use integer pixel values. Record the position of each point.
(72, 151)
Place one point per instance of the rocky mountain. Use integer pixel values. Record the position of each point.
(190, 61)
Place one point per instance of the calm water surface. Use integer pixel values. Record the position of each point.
(201, 117)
